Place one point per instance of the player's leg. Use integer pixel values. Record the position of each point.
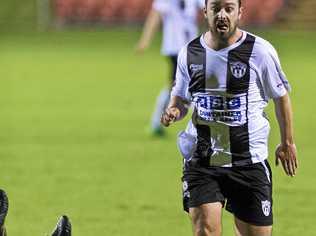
(244, 229)
(163, 99)
(206, 219)
(4, 206)
(250, 199)
(202, 198)
(161, 104)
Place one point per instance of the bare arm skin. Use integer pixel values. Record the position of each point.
(151, 26)
(286, 150)
(176, 110)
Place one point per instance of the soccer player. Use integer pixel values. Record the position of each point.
(179, 22)
(230, 75)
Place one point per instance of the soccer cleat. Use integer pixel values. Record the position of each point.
(63, 227)
(158, 132)
(4, 206)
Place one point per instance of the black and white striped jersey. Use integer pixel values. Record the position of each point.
(229, 90)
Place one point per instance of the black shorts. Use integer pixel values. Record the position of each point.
(246, 190)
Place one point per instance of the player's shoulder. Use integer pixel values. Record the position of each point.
(185, 50)
(189, 46)
(182, 56)
(195, 43)
(262, 47)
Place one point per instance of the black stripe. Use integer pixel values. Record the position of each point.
(239, 136)
(203, 151)
(240, 54)
(196, 61)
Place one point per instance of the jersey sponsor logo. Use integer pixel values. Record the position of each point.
(224, 116)
(218, 108)
(238, 69)
(266, 207)
(196, 68)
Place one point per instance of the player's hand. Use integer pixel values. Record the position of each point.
(170, 115)
(286, 154)
(141, 47)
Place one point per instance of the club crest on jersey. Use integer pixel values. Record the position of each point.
(266, 207)
(238, 69)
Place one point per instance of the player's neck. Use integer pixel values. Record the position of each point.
(218, 43)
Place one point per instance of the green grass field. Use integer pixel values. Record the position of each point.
(74, 109)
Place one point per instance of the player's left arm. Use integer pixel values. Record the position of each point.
(286, 150)
(276, 86)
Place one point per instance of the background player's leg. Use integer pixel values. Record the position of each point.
(206, 219)
(244, 229)
(161, 104)
(163, 99)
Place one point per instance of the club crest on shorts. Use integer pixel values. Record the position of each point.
(185, 187)
(266, 207)
(238, 69)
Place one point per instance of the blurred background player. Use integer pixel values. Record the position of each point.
(179, 25)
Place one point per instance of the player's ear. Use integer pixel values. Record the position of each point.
(205, 12)
(240, 13)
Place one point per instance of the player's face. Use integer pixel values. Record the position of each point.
(223, 17)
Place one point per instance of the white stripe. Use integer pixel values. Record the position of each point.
(267, 170)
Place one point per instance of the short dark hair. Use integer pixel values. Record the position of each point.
(239, 1)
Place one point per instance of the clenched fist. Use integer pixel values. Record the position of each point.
(170, 115)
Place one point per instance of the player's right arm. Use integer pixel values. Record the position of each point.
(176, 110)
(179, 101)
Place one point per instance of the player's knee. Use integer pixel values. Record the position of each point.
(207, 231)
(261, 231)
(203, 226)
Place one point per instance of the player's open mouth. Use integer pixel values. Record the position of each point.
(222, 27)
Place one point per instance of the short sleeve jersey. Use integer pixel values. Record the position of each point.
(230, 89)
(179, 22)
